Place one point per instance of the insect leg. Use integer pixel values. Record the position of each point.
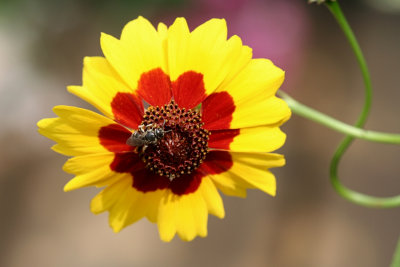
(141, 127)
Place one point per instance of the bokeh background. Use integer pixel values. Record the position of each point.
(42, 44)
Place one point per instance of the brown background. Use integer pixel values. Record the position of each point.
(42, 44)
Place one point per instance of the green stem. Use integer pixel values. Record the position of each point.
(353, 196)
(350, 195)
(323, 119)
(396, 256)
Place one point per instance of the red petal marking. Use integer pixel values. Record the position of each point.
(113, 137)
(146, 181)
(217, 162)
(217, 110)
(221, 139)
(143, 179)
(186, 184)
(155, 87)
(188, 89)
(127, 162)
(127, 109)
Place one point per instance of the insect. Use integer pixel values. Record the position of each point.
(146, 135)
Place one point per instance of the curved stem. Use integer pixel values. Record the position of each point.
(396, 256)
(353, 196)
(321, 118)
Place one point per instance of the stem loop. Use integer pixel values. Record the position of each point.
(350, 195)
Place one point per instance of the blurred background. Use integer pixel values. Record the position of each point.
(42, 44)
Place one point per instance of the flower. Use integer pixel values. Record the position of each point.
(185, 114)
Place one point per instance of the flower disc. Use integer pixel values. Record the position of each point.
(184, 144)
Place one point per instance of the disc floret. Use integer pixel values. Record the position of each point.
(184, 145)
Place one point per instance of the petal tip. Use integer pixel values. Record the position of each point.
(69, 187)
(42, 124)
(272, 192)
(72, 88)
(105, 40)
(180, 21)
(95, 206)
(59, 108)
(166, 238)
(221, 214)
(116, 228)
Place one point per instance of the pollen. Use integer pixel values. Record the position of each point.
(184, 145)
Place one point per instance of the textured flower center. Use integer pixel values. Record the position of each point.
(182, 145)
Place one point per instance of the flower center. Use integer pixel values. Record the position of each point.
(180, 144)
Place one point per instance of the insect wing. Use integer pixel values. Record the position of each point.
(136, 139)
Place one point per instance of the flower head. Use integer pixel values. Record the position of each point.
(185, 114)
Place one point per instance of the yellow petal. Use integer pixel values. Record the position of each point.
(192, 217)
(253, 168)
(212, 198)
(205, 50)
(151, 201)
(163, 33)
(243, 58)
(167, 216)
(110, 195)
(260, 78)
(92, 169)
(253, 90)
(139, 50)
(162, 30)
(100, 84)
(178, 45)
(75, 131)
(258, 139)
(250, 170)
(230, 186)
(185, 215)
(124, 211)
(133, 206)
(272, 111)
(125, 204)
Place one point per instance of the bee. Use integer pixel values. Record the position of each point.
(146, 135)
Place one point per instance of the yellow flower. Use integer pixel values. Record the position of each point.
(185, 113)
